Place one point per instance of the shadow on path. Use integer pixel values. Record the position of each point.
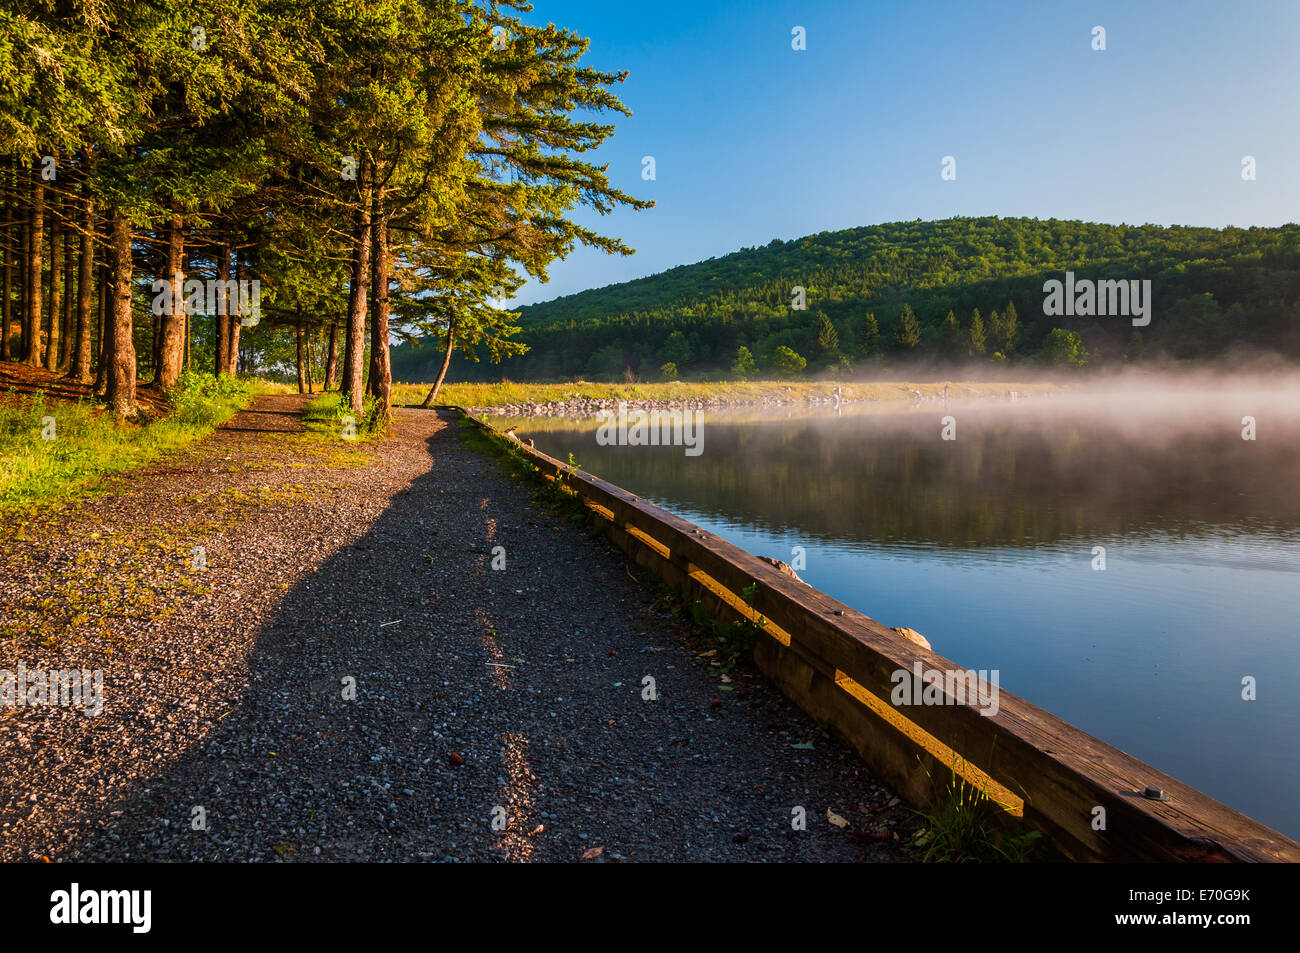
(484, 695)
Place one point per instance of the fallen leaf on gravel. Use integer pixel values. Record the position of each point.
(716, 703)
(806, 746)
(591, 853)
(456, 759)
(835, 818)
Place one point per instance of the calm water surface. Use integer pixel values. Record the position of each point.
(985, 544)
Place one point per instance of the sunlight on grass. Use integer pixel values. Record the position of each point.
(52, 449)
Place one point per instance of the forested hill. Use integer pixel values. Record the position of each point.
(1212, 289)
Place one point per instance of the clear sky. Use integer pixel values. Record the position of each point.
(754, 141)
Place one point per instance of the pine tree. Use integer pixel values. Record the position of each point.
(1006, 340)
(828, 339)
(951, 337)
(221, 152)
(908, 333)
(870, 335)
(977, 346)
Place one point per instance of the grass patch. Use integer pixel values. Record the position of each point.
(969, 826)
(260, 386)
(327, 415)
(51, 450)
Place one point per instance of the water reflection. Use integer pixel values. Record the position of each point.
(1013, 478)
(986, 545)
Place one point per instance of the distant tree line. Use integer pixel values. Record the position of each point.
(957, 290)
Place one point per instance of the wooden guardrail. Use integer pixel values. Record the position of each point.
(840, 666)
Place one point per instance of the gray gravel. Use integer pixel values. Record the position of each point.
(480, 694)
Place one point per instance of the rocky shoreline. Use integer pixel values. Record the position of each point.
(590, 407)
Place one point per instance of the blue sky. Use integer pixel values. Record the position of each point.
(754, 141)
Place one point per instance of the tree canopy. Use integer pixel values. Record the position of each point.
(380, 171)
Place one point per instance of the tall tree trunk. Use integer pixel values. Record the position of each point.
(356, 338)
(311, 370)
(10, 250)
(105, 328)
(381, 370)
(155, 347)
(25, 253)
(332, 361)
(69, 287)
(220, 307)
(302, 371)
(446, 363)
(171, 327)
(236, 310)
(56, 285)
(80, 369)
(121, 371)
(35, 267)
(189, 329)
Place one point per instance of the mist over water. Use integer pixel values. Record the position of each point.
(986, 544)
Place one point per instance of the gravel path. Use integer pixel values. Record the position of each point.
(480, 695)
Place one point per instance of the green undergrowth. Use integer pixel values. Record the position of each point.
(51, 450)
(967, 825)
(326, 415)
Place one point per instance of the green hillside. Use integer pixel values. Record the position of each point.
(1213, 291)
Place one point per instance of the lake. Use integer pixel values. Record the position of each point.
(987, 544)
